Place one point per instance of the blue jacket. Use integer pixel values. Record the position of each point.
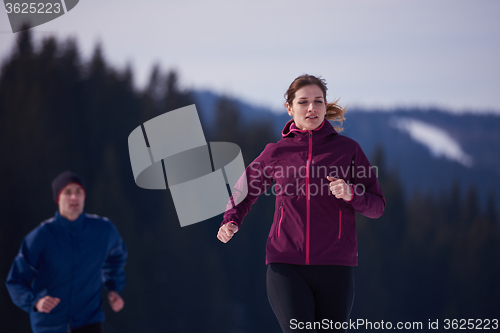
(71, 261)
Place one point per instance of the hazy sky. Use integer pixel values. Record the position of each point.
(373, 53)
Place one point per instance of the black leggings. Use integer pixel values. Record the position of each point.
(303, 295)
(92, 328)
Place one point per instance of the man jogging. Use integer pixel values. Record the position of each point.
(58, 275)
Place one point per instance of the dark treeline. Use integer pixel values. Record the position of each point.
(428, 257)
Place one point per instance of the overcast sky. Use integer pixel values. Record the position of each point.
(373, 53)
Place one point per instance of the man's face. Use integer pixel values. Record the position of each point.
(71, 201)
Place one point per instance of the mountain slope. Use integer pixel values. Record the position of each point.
(452, 148)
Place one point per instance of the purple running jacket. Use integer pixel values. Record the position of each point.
(310, 225)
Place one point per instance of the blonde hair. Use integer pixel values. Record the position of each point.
(335, 113)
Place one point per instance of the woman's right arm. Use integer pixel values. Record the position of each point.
(258, 176)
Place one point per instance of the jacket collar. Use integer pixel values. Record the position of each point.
(78, 223)
(323, 130)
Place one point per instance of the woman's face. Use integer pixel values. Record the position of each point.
(308, 108)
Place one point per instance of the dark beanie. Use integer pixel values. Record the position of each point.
(64, 179)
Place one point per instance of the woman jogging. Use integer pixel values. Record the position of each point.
(321, 178)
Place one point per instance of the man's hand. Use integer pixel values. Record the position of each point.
(115, 301)
(47, 304)
(227, 231)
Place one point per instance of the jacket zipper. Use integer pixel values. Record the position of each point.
(281, 218)
(73, 271)
(340, 222)
(308, 227)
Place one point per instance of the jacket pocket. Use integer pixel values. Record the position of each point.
(280, 219)
(276, 225)
(348, 225)
(340, 222)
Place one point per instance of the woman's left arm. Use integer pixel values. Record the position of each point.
(367, 198)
